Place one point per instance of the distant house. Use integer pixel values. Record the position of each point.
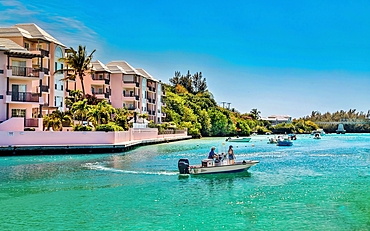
(278, 119)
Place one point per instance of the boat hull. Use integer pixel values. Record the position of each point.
(284, 143)
(239, 139)
(231, 168)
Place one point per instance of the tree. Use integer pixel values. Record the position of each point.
(80, 109)
(199, 84)
(55, 120)
(78, 64)
(192, 83)
(255, 114)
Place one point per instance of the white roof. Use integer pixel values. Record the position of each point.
(9, 45)
(125, 66)
(114, 69)
(99, 66)
(146, 74)
(38, 33)
(29, 31)
(278, 117)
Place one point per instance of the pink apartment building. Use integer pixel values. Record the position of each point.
(29, 88)
(124, 87)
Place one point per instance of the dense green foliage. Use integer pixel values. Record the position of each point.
(111, 126)
(358, 121)
(190, 105)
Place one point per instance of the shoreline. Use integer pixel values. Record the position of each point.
(26, 150)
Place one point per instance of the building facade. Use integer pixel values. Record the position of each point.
(28, 58)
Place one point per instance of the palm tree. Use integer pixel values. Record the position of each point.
(80, 109)
(55, 120)
(100, 113)
(78, 64)
(255, 113)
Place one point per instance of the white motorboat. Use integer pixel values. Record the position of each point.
(209, 166)
(238, 139)
(317, 136)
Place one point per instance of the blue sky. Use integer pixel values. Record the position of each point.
(281, 57)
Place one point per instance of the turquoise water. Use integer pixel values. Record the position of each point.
(312, 185)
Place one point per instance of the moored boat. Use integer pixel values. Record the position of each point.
(209, 166)
(284, 142)
(238, 139)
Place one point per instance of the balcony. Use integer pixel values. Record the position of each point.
(152, 89)
(131, 84)
(40, 51)
(23, 97)
(24, 72)
(152, 101)
(45, 88)
(100, 81)
(34, 123)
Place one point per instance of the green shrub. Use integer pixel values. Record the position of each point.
(80, 127)
(109, 127)
(29, 129)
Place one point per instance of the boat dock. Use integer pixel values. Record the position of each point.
(19, 150)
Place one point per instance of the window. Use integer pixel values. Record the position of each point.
(61, 87)
(18, 112)
(27, 46)
(100, 76)
(61, 66)
(124, 105)
(56, 86)
(56, 66)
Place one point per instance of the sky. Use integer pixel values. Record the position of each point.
(280, 57)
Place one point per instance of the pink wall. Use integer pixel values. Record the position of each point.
(79, 138)
(116, 88)
(145, 133)
(12, 124)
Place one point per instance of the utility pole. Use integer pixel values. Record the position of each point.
(226, 103)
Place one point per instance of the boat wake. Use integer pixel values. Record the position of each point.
(95, 166)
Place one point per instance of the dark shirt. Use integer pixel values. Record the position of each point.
(211, 154)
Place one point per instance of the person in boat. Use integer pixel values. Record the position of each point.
(231, 155)
(212, 154)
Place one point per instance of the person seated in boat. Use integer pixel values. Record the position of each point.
(212, 154)
(231, 155)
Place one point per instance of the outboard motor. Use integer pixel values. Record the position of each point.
(183, 166)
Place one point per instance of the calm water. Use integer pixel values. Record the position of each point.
(313, 185)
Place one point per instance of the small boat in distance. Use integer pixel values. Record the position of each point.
(209, 166)
(317, 136)
(238, 139)
(318, 131)
(272, 140)
(284, 142)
